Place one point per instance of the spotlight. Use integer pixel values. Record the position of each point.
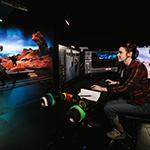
(47, 100)
(75, 114)
(83, 104)
(14, 4)
(66, 96)
(67, 22)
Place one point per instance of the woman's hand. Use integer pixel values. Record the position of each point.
(110, 82)
(99, 88)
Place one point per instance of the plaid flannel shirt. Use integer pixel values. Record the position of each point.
(134, 82)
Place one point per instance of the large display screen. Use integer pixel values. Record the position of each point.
(144, 56)
(25, 51)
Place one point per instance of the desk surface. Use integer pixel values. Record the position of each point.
(16, 72)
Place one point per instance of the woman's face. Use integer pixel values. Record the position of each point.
(122, 54)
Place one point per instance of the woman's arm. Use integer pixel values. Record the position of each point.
(99, 88)
(110, 82)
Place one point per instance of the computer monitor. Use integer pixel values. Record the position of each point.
(100, 61)
(69, 64)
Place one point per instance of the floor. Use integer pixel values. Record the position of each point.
(31, 126)
(34, 127)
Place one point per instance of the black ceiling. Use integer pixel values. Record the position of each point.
(96, 24)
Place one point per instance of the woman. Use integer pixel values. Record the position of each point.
(133, 88)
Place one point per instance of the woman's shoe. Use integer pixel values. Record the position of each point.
(116, 135)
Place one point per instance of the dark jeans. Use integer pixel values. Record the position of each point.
(120, 106)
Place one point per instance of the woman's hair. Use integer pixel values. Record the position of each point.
(131, 47)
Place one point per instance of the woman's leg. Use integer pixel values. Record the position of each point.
(120, 106)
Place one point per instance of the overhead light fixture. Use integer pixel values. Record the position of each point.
(67, 22)
(14, 4)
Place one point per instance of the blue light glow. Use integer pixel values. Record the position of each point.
(106, 55)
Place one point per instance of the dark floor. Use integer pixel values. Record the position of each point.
(33, 127)
(29, 126)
